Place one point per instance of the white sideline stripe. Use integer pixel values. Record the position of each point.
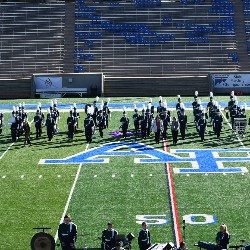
(6, 150)
(70, 194)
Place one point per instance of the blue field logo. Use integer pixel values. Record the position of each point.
(201, 160)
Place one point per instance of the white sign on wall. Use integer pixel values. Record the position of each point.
(53, 82)
(231, 81)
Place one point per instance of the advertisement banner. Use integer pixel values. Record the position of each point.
(49, 82)
(231, 81)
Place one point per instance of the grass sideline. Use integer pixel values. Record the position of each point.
(34, 195)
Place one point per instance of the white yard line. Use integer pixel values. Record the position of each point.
(69, 198)
(71, 193)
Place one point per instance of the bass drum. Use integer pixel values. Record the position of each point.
(42, 241)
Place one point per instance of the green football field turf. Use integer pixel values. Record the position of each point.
(35, 194)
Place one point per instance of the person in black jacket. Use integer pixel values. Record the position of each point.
(67, 234)
(89, 127)
(108, 237)
(124, 123)
(50, 125)
(223, 237)
(182, 118)
(1, 122)
(202, 126)
(26, 128)
(144, 238)
(38, 120)
(71, 124)
(218, 123)
(136, 120)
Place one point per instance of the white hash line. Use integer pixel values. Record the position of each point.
(70, 194)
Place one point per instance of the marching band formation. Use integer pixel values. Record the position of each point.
(151, 119)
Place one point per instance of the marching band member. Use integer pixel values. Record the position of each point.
(178, 105)
(26, 128)
(182, 118)
(210, 105)
(144, 238)
(230, 104)
(50, 125)
(242, 111)
(234, 112)
(165, 117)
(101, 121)
(13, 125)
(19, 122)
(94, 114)
(202, 125)
(197, 111)
(195, 102)
(223, 237)
(76, 116)
(24, 114)
(67, 234)
(175, 125)
(136, 119)
(38, 121)
(71, 124)
(152, 109)
(150, 118)
(56, 115)
(157, 128)
(218, 123)
(160, 107)
(118, 246)
(1, 122)
(124, 123)
(108, 237)
(143, 123)
(89, 126)
(106, 112)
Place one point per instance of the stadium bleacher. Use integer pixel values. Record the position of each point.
(138, 39)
